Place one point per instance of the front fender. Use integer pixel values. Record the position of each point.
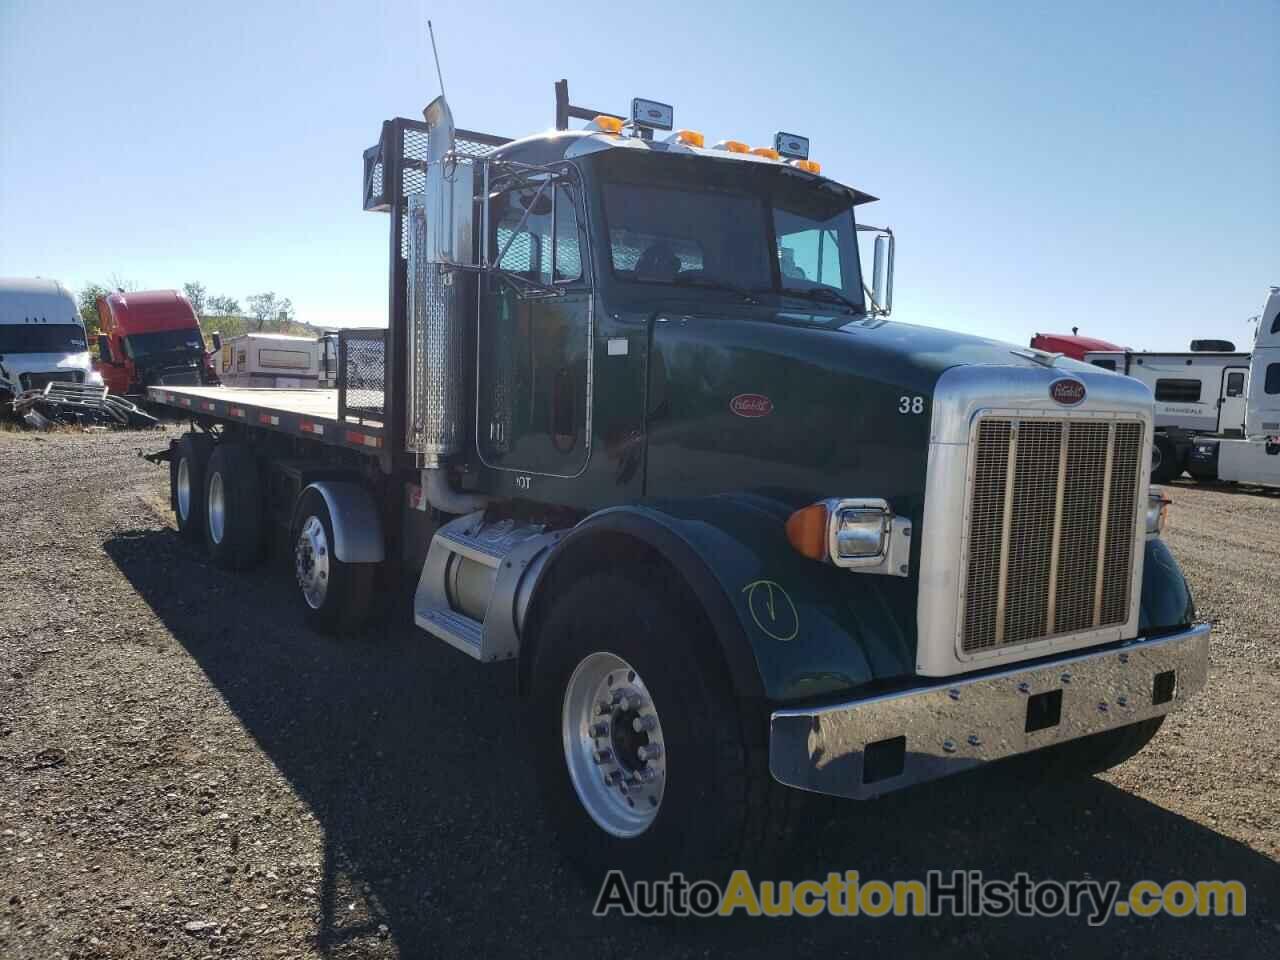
(1166, 598)
(802, 628)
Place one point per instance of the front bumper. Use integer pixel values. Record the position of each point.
(870, 747)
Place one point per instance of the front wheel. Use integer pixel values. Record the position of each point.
(644, 760)
(335, 595)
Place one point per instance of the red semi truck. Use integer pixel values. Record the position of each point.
(151, 338)
(1072, 345)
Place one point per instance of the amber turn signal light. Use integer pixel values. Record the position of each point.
(807, 531)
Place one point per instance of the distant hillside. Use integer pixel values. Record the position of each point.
(234, 326)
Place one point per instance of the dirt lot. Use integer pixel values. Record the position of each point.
(185, 771)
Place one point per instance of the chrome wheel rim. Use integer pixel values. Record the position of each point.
(613, 745)
(184, 489)
(311, 562)
(217, 508)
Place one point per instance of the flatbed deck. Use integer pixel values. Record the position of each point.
(305, 413)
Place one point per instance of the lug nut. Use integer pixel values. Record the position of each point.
(603, 709)
(644, 724)
(646, 775)
(652, 752)
(612, 778)
(604, 757)
(600, 730)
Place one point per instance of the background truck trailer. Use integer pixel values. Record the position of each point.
(1253, 455)
(1201, 392)
(150, 337)
(270, 360)
(635, 425)
(42, 338)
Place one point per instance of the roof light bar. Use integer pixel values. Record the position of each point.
(768, 152)
(791, 145)
(690, 138)
(733, 146)
(808, 166)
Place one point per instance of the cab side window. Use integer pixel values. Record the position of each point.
(812, 255)
(528, 245)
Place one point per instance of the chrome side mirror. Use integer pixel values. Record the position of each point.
(882, 273)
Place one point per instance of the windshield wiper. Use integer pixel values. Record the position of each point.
(712, 284)
(828, 294)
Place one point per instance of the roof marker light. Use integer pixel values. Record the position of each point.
(768, 152)
(606, 124)
(690, 138)
(733, 146)
(808, 166)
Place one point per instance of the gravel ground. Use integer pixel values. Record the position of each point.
(185, 771)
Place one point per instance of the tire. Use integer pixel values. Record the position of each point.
(187, 466)
(1082, 758)
(233, 507)
(337, 602)
(714, 806)
(1165, 465)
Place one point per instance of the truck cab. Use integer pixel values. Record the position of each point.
(42, 337)
(149, 338)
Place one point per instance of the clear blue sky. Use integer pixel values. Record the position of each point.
(1111, 166)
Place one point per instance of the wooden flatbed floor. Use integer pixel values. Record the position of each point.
(307, 413)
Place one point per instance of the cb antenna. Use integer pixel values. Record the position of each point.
(436, 54)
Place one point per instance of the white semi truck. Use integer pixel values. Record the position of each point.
(1254, 455)
(42, 338)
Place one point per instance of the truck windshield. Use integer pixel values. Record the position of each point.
(140, 345)
(757, 231)
(42, 338)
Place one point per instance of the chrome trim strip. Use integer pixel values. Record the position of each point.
(966, 723)
(1006, 532)
(1104, 518)
(1051, 605)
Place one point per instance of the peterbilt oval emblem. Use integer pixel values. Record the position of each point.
(751, 405)
(1069, 393)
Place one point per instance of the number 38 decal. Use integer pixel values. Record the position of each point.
(910, 404)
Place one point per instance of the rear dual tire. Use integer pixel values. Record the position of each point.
(233, 507)
(187, 464)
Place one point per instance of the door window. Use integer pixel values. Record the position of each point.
(1235, 384)
(528, 244)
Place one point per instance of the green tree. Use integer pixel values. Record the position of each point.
(87, 303)
(198, 296)
(263, 306)
(221, 306)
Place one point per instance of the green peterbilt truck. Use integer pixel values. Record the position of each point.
(638, 423)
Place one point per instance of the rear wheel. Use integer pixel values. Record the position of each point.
(335, 595)
(233, 507)
(187, 484)
(643, 759)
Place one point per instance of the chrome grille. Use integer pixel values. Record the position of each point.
(1050, 528)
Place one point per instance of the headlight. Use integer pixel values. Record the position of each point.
(93, 377)
(1157, 512)
(857, 533)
